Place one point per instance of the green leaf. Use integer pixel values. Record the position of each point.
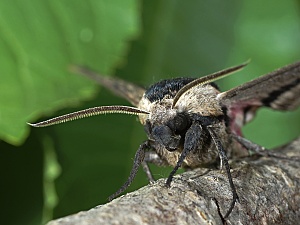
(38, 41)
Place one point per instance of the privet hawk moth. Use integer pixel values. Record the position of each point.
(189, 122)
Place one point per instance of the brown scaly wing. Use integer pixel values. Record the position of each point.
(131, 92)
(279, 90)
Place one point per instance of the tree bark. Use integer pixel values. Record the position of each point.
(268, 190)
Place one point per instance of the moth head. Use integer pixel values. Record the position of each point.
(164, 125)
(89, 112)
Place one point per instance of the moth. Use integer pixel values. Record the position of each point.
(189, 122)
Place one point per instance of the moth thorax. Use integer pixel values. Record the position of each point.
(201, 100)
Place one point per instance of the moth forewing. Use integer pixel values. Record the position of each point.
(279, 90)
(127, 90)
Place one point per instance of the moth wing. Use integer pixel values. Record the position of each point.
(129, 91)
(279, 90)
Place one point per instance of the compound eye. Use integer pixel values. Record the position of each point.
(163, 135)
(181, 123)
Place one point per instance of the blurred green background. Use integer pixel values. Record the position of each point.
(52, 172)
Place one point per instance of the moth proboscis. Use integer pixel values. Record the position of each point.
(189, 122)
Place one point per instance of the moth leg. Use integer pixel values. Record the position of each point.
(224, 161)
(221, 163)
(148, 172)
(154, 158)
(191, 142)
(260, 150)
(138, 160)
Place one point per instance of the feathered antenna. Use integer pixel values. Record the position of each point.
(89, 112)
(208, 79)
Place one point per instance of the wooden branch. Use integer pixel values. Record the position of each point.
(268, 189)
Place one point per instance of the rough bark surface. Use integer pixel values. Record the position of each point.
(268, 189)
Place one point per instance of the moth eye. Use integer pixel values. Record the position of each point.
(180, 123)
(163, 135)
